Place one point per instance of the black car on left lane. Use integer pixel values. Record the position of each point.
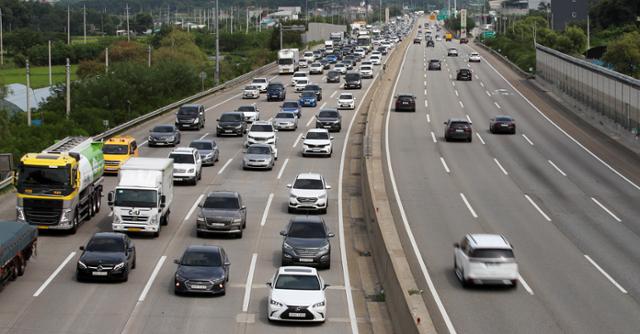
(108, 255)
(202, 269)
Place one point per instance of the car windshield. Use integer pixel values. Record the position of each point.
(261, 128)
(251, 88)
(115, 149)
(182, 158)
(300, 75)
(352, 76)
(308, 94)
(290, 105)
(105, 245)
(230, 118)
(221, 203)
(135, 198)
(188, 111)
(365, 68)
(307, 230)
(202, 145)
(313, 184)
(459, 125)
(405, 98)
(297, 282)
(328, 114)
(492, 253)
(259, 150)
(247, 108)
(317, 135)
(339, 65)
(302, 82)
(201, 259)
(285, 115)
(503, 119)
(163, 128)
(346, 97)
(316, 65)
(259, 80)
(285, 61)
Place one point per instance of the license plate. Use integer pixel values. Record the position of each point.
(504, 125)
(297, 315)
(459, 131)
(43, 227)
(216, 224)
(99, 273)
(199, 287)
(327, 126)
(302, 259)
(228, 131)
(134, 229)
(405, 102)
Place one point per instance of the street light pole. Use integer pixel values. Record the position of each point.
(1, 42)
(68, 73)
(217, 46)
(128, 35)
(28, 88)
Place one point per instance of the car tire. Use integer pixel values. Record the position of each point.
(21, 266)
(513, 132)
(470, 139)
(491, 129)
(327, 266)
(200, 234)
(323, 211)
(125, 277)
(155, 234)
(133, 264)
(291, 210)
(74, 224)
(239, 235)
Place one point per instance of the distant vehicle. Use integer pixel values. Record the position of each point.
(329, 119)
(251, 92)
(259, 156)
(308, 98)
(308, 192)
(165, 134)
(430, 44)
(288, 60)
(474, 57)
(346, 101)
(251, 113)
(485, 259)
(405, 102)
(316, 89)
(375, 59)
(306, 242)
(317, 142)
(502, 124)
(297, 294)
(352, 80)
(316, 68)
(309, 56)
(300, 75)
(17, 243)
(452, 52)
(336, 36)
(202, 269)
(341, 68)
(366, 71)
(187, 165)
(301, 84)
(292, 106)
(464, 74)
(464, 40)
(435, 65)
(417, 40)
(455, 128)
(208, 150)
(262, 83)
(448, 37)
(285, 121)
(325, 64)
(108, 255)
(222, 212)
(333, 76)
(262, 132)
(332, 58)
(190, 116)
(303, 63)
(117, 150)
(231, 123)
(276, 92)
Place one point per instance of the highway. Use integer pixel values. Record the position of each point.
(48, 299)
(573, 221)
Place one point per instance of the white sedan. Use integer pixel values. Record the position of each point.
(474, 57)
(316, 68)
(375, 59)
(346, 101)
(297, 294)
(251, 92)
(366, 71)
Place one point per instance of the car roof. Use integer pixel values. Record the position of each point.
(232, 113)
(183, 150)
(482, 240)
(203, 248)
(346, 93)
(504, 116)
(298, 270)
(164, 125)
(259, 145)
(310, 176)
(223, 193)
(208, 141)
(307, 219)
(254, 79)
(109, 235)
(318, 130)
(192, 105)
(261, 123)
(462, 120)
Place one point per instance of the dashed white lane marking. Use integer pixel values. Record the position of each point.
(525, 285)
(557, 168)
(247, 289)
(480, 137)
(433, 137)
(265, 214)
(223, 102)
(334, 93)
(425, 83)
(444, 164)
(453, 83)
(537, 208)
(605, 274)
(54, 274)
(323, 105)
(425, 92)
(204, 136)
(481, 84)
(143, 143)
(466, 202)
(426, 103)
(461, 105)
(497, 105)
(606, 210)
(299, 136)
(469, 118)
(428, 118)
(527, 139)
(284, 165)
(152, 278)
(193, 207)
(307, 125)
(425, 75)
(477, 77)
(456, 91)
(487, 92)
(504, 171)
(225, 166)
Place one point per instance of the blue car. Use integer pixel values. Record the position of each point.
(331, 58)
(292, 106)
(308, 98)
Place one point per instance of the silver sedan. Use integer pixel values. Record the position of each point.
(286, 121)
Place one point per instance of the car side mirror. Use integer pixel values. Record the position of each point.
(283, 233)
(331, 235)
(328, 186)
(217, 120)
(244, 207)
(163, 201)
(81, 248)
(326, 286)
(110, 196)
(288, 185)
(200, 205)
(268, 284)
(445, 123)
(227, 263)
(331, 138)
(176, 261)
(456, 245)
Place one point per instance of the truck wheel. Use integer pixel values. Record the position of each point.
(74, 224)
(14, 271)
(92, 207)
(21, 265)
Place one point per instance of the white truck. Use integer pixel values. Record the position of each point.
(336, 36)
(288, 60)
(328, 46)
(141, 202)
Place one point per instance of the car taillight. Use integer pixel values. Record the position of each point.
(467, 129)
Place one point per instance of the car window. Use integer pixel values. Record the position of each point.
(251, 87)
(492, 253)
(346, 96)
(308, 94)
(115, 149)
(317, 136)
(163, 128)
(230, 118)
(182, 158)
(259, 150)
(285, 115)
(328, 113)
(300, 75)
(105, 245)
(459, 125)
(261, 128)
(297, 282)
(260, 80)
(201, 259)
(313, 184)
(306, 230)
(246, 108)
(290, 105)
(221, 203)
(499, 119)
(352, 76)
(201, 145)
(188, 111)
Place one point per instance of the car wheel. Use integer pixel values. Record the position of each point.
(491, 129)
(323, 211)
(21, 266)
(240, 234)
(200, 175)
(133, 264)
(470, 139)
(155, 234)
(125, 277)
(291, 210)
(74, 224)
(199, 234)
(327, 266)
(513, 132)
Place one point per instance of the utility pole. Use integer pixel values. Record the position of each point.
(247, 30)
(68, 24)
(217, 46)
(68, 73)
(588, 34)
(128, 35)
(84, 22)
(50, 74)
(306, 11)
(28, 89)
(231, 19)
(106, 60)
(1, 41)
(281, 27)
(149, 56)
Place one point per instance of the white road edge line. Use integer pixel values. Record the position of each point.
(225, 166)
(444, 164)
(152, 278)
(527, 139)
(54, 274)
(607, 210)
(405, 221)
(537, 207)
(504, 171)
(605, 274)
(295, 143)
(223, 102)
(525, 285)
(564, 132)
(557, 168)
(481, 140)
(265, 214)
(247, 288)
(433, 136)
(284, 165)
(464, 199)
(193, 208)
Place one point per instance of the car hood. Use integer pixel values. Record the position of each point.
(183, 166)
(274, 90)
(95, 258)
(307, 98)
(220, 213)
(306, 242)
(297, 297)
(161, 134)
(257, 156)
(229, 123)
(284, 120)
(200, 273)
(261, 134)
(204, 152)
(316, 142)
(345, 100)
(306, 192)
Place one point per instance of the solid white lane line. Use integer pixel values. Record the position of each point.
(247, 288)
(295, 143)
(481, 140)
(444, 164)
(527, 139)
(469, 118)
(54, 274)
(223, 102)
(334, 93)
(525, 285)
(557, 168)
(488, 94)
(497, 105)
(428, 118)
(615, 171)
(284, 165)
(605, 274)
(456, 91)
(265, 214)
(433, 136)
(461, 105)
(606, 210)
(204, 135)
(405, 221)
(225, 166)
(464, 199)
(143, 143)
(307, 125)
(193, 208)
(152, 278)
(481, 84)
(504, 171)
(537, 208)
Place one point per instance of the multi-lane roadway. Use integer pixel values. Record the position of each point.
(572, 219)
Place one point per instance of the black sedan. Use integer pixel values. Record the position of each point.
(458, 129)
(166, 134)
(306, 242)
(502, 124)
(202, 269)
(435, 65)
(464, 74)
(108, 255)
(329, 119)
(333, 76)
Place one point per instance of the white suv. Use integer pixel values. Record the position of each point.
(485, 259)
(317, 142)
(346, 101)
(308, 192)
(187, 164)
(262, 132)
(260, 82)
(299, 76)
(297, 294)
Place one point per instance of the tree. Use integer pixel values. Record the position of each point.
(142, 22)
(608, 13)
(578, 39)
(624, 54)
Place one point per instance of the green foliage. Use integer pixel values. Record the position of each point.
(142, 22)
(39, 75)
(624, 54)
(453, 23)
(609, 13)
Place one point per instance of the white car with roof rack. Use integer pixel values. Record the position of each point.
(262, 83)
(485, 259)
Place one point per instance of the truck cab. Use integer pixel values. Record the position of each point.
(117, 150)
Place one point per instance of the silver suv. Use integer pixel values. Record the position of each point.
(222, 212)
(308, 192)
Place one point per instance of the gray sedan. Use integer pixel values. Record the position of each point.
(285, 121)
(259, 156)
(208, 150)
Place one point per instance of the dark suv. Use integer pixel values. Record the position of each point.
(306, 242)
(276, 92)
(231, 123)
(190, 116)
(352, 80)
(329, 119)
(456, 128)
(435, 65)
(464, 74)
(222, 212)
(406, 103)
(333, 76)
(430, 43)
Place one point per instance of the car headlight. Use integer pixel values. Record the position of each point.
(210, 155)
(20, 213)
(238, 126)
(150, 138)
(66, 216)
(322, 196)
(320, 304)
(191, 170)
(218, 126)
(200, 218)
(197, 120)
(275, 303)
(82, 265)
(286, 246)
(179, 278)
(325, 247)
(237, 220)
(119, 266)
(153, 220)
(171, 138)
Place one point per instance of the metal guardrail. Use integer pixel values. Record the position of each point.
(6, 182)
